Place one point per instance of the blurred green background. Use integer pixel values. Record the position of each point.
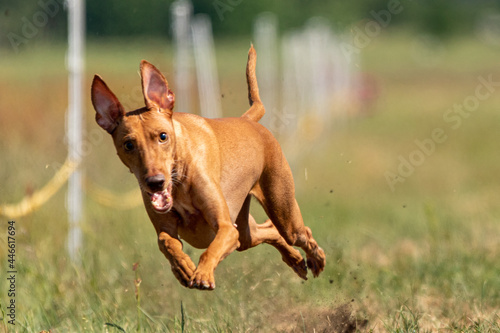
(420, 258)
(129, 18)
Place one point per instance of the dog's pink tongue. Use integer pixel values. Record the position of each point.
(160, 200)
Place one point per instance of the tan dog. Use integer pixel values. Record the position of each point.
(197, 177)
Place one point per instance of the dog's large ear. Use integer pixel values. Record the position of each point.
(155, 88)
(108, 108)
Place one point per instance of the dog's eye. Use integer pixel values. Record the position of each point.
(163, 137)
(128, 146)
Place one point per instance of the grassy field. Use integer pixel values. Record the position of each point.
(420, 257)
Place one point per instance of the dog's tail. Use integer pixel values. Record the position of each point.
(256, 111)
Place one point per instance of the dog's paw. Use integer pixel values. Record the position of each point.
(296, 262)
(203, 280)
(316, 263)
(183, 270)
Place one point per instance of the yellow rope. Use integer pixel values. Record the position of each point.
(107, 198)
(101, 195)
(40, 197)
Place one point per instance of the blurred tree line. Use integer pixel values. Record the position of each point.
(124, 18)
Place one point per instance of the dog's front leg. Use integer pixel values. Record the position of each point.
(181, 264)
(225, 242)
(216, 213)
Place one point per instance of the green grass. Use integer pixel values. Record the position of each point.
(420, 259)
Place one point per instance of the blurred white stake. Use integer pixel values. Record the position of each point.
(76, 39)
(206, 68)
(266, 44)
(318, 40)
(291, 88)
(181, 18)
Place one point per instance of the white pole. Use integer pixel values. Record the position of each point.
(76, 37)
(266, 44)
(289, 89)
(286, 123)
(181, 24)
(318, 41)
(206, 67)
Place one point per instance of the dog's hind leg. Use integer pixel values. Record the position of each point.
(276, 193)
(252, 234)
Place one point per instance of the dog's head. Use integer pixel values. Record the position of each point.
(144, 138)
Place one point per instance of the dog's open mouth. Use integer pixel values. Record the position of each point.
(162, 201)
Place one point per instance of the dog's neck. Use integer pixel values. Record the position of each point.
(181, 152)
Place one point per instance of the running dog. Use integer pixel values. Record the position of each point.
(197, 177)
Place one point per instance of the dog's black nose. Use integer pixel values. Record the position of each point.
(156, 182)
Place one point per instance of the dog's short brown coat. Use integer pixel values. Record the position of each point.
(197, 177)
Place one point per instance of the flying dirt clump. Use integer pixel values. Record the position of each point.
(341, 319)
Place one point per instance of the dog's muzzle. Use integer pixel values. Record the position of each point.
(162, 201)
